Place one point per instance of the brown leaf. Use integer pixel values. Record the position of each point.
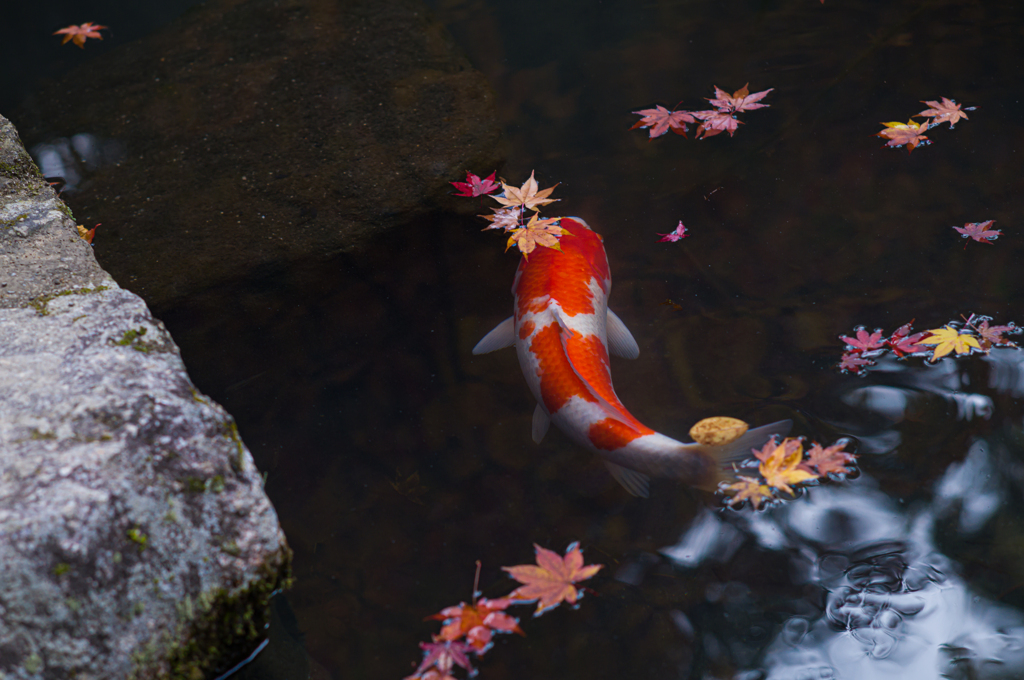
(829, 460)
(551, 580)
(526, 196)
(537, 232)
(909, 133)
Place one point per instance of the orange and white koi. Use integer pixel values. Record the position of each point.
(563, 330)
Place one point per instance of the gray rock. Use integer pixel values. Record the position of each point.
(135, 537)
(248, 135)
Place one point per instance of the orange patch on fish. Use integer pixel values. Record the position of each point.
(558, 382)
(565, 275)
(611, 434)
(526, 329)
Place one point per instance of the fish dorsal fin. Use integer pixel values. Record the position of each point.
(620, 340)
(503, 335)
(541, 423)
(637, 483)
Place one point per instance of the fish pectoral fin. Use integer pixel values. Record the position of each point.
(541, 423)
(503, 335)
(620, 340)
(636, 483)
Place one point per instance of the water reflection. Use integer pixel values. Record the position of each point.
(73, 158)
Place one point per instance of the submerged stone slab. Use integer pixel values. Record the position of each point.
(252, 133)
(135, 536)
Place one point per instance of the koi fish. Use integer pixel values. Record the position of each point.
(563, 331)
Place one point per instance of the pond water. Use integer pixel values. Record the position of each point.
(397, 459)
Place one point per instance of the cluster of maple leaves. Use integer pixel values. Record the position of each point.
(714, 121)
(524, 234)
(782, 466)
(78, 34)
(469, 628)
(975, 334)
(912, 132)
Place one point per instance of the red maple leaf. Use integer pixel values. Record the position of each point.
(828, 461)
(477, 622)
(864, 342)
(551, 580)
(945, 111)
(979, 231)
(444, 656)
(854, 363)
(740, 100)
(474, 186)
(902, 343)
(78, 34)
(678, 233)
(990, 336)
(660, 120)
(715, 122)
(910, 133)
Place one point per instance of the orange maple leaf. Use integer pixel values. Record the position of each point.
(747, 489)
(780, 464)
(551, 580)
(537, 232)
(526, 196)
(946, 111)
(477, 621)
(78, 34)
(910, 133)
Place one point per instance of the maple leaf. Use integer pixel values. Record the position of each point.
(826, 461)
(909, 133)
(715, 122)
(992, 335)
(902, 343)
(78, 34)
(526, 196)
(537, 232)
(854, 363)
(474, 186)
(551, 580)
(979, 231)
(503, 218)
(780, 464)
(947, 340)
(660, 120)
(945, 111)
(444, 656)
(678, 233)
(747, 489)
(864, 342)
(87, 234)
(740, 100)
(476, 622)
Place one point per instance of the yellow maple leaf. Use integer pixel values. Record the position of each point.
(537, 232)
(780, 464)
(947, 340)
(526, 196)
(747, 489)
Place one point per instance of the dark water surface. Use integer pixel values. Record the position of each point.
(396, 459)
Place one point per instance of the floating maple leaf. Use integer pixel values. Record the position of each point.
(660, 120)
(537, 232)
(831, 460)
(780, 464)
(676, 234)
(444, 656)
(477, 622)
(854, 363)
(551, 581)
(979, 231)
(715, 122)
(864, 342)
(747, 489)
(740, 100)
(503, 218)
(945, 111)
(78, 34)
(947, 340)
(909, 133)
(990, 336)
(474, 186)
(526, 196)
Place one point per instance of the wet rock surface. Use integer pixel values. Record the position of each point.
(135, 537)
(250, 134)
